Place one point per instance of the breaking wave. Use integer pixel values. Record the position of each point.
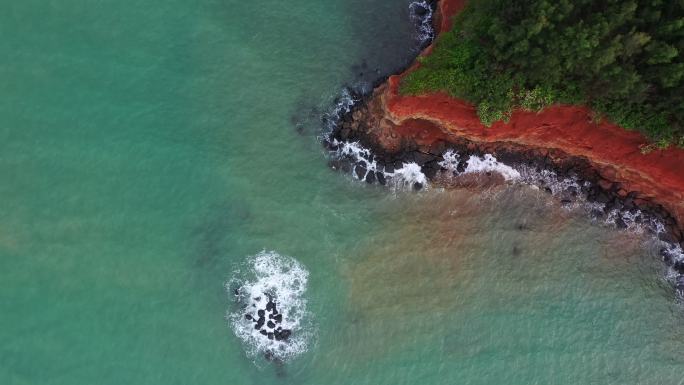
(477, 164)
(421, 13)
(364, 166)
(271, 317)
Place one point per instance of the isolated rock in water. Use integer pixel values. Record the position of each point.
(278, 318)
(281, 282)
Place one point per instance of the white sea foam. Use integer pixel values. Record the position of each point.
(676, 254)
(408, 175)
(488, 163)
(423, 21)
(359, 154)
(451, 160)
(564, 187)
(476, 164)
(285, 280)
(404, 177)
(548, 178)
(632, 220)
(344, 103)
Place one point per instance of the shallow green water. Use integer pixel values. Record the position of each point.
(147, 149)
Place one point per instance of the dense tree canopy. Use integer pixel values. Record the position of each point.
(623, 58)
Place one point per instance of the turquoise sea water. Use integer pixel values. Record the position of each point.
(148, 149)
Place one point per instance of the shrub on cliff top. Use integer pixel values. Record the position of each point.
(621, 58)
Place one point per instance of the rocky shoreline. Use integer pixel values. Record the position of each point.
(390, 144)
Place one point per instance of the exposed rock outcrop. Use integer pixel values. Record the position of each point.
(565, 139)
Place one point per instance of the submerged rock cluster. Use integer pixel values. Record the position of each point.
(268, 320)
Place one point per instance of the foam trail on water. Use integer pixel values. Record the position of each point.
(264, 277)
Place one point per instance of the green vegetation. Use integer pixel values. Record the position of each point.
(621, 58)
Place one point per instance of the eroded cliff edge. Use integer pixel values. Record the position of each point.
(565, 139)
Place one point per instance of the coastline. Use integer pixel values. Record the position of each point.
(605, 159)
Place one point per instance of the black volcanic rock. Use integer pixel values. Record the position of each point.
(422, 158)
(370, 177)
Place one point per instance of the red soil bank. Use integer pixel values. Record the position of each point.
(615, 152)
(446, 10)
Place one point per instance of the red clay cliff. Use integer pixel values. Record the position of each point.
(614, 152)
